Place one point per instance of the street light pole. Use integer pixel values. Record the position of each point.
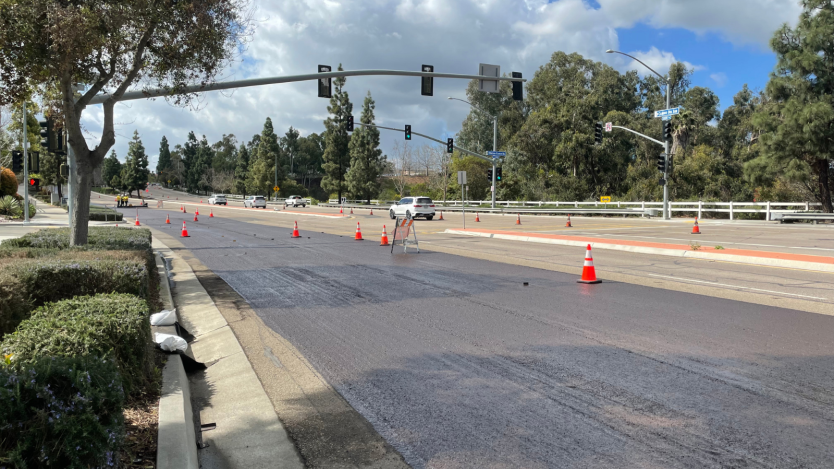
(494, 142)
(666, 209)
(25, 169)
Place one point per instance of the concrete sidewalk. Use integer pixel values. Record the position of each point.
(744, 256)
(228, 393)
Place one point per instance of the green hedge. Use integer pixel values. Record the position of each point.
(105, 214)
(114, 325)
(61, 412)
(98, 237)
(47, 280)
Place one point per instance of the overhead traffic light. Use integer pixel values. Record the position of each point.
(17, 161)
(667, 131)
(46, 132)
(325, 84)
(489, 175)
(498, 174)
(518, 88)
(450, 145)
(598, 133)
(349, 124)
(407, 132)
(427, 83)
(52, 138)
(661, 163)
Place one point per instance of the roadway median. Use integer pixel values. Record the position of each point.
(744, 256)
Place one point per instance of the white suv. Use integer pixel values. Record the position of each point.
(217, 199)
(255, 201)
(294, 201)
(413, 207)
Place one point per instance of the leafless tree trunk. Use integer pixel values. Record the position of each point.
(402, 162)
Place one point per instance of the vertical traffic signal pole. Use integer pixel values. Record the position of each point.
(666, 209)
(25, 169)
(494, 148)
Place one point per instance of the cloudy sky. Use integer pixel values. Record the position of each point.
(725, 40)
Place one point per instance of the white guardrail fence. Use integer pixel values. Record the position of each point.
(699, 207)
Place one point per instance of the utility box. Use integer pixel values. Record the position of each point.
(650, 212)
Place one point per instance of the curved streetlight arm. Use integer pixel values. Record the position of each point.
(430, 138)
(476, 107)
(610, 51)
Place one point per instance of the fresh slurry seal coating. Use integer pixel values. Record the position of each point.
(455, 366)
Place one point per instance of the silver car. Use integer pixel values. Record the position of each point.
(413, 207)
(255, 201)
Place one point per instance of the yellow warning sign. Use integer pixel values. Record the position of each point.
(605, 199)
(276, 188)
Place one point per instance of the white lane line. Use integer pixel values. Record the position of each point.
(721, 242)
(737, 286)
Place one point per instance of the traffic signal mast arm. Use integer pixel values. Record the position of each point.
(226, 85)
(638, 133)
(483, 157)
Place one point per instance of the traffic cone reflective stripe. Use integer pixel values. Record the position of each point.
(384, 241)
(568, 225)
(184, 231)
(358, 232)
(477, 217)
(295, 233)
(589, 275)
(167, 219)
(696, 229)
(518, 220)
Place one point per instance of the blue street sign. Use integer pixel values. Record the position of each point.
(496, 153)
(667, 112)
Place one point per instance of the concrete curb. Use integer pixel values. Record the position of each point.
(818, 267)
(176, 437)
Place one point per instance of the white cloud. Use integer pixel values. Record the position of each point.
(719, 78)
(293, 36)
(658, 60)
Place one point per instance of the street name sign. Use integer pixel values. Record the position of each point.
(668, 112)
(496, 154)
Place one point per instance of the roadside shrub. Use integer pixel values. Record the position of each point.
(105, 214)
(10, 207)
(60, 412)
(99, 237)
(114, 325)
(8, 182)
(29, 283)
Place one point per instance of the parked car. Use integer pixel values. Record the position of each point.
(255, 201)
(217, 199)
(294, 201)
(413, 207)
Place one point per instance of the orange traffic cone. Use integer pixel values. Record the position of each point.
(184, 231)
(211, 213)
(589, 275)
(137, 219)
(358, 232)
(201, 200)
(518, 220)
(568, 225)
(477, 218)
(372, 212)
(695, 229)
(351, 210)
(167, 219)
(195, 217)
(341, 210)
(384, 241)
(295, 233)
(182, 208)
(197, 212)
(441, 216)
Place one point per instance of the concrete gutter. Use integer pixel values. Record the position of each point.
(814, 266)
(228, 393)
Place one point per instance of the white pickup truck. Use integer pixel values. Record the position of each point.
(294, 201)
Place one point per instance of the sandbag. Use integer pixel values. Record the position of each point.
(170, 343)
(164, 318)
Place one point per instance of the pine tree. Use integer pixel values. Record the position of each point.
(366, 160)
(336, 152)
(262, 174)
(164, 162)
(135, 171)
(241, 169)
(799, 122)
(111, 169)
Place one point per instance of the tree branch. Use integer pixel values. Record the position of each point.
(137, 63)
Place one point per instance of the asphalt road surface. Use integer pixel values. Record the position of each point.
(457, 364)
